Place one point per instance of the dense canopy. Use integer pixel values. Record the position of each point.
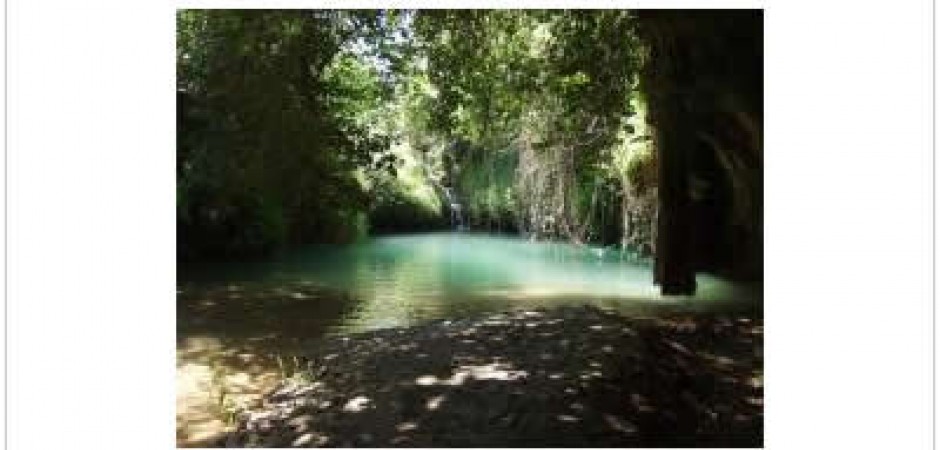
(640, 130)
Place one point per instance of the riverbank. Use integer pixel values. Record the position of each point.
(571, 376)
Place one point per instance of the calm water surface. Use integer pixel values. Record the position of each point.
(235, 321)
(401, 280)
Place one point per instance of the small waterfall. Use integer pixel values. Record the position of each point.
(456, 209)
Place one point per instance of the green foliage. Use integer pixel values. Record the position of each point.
(273, 126)
(542, 100)
(486, 180)
(300, 126)
(311, 126)
(635, 159)
(482, 64)
(395, 209)
(640, 166)
(407, 199)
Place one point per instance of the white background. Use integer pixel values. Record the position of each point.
(91, 220)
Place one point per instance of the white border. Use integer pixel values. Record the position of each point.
(90, 210)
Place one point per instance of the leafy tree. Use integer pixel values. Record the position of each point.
(271, 134)
(538, 101)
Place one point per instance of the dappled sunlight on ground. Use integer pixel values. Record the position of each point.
(289, 364)
(235, 342)
(463, 373)
(562, 377)
(213, 383)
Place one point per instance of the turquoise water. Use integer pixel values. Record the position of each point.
(241, 325)
(405, 279)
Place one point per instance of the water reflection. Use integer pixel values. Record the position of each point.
(240, 326)
(398, 280)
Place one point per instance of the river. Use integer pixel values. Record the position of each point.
(239, 324)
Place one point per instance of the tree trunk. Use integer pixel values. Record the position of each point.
(669, 87)
(673, 256)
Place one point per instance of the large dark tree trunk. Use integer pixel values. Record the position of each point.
(673, 239)
(704, 84)
(669, 86)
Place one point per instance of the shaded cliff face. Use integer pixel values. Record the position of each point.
(704, 82)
